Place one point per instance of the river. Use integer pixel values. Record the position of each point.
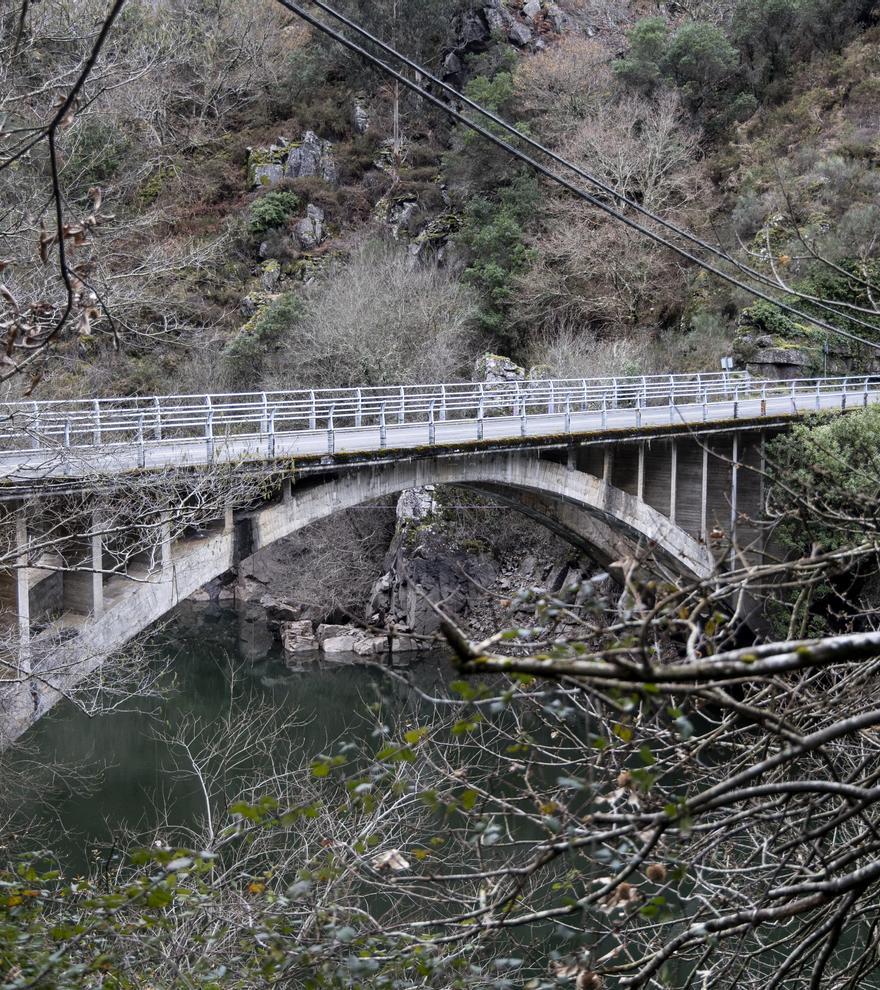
(117, 773)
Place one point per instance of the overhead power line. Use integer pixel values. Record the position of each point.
(353, 46)
(828, 306)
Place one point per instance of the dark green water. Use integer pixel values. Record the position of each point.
(119, 775)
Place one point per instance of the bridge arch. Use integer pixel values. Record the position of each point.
(589, 513)
(598, 518)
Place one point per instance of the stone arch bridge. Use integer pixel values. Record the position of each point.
(614, 465)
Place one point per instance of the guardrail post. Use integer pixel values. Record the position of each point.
(331, 439)
(313, 412)
(264, 418)
(523, 413)
(551, 401)
(157, 428)
(568, 413)
(480, 413)
(818, 395)
(383, 429)
(736, 401)
(705, 404)
(142, 454)
(671, 407)
(209, 434)
(97, 406)
(865, 401)
(843, 398)
(432, 431)
(271, 431)
(401, 417)
(442, 402)
(36, 426)
(586, 402)
(794, 407)
(638, 409)
(359, 412)
(763, 398)
(604, 411)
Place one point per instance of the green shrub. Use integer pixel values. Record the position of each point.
(765, 318)
(494, 234)
(698, 59)
(701, 62)
(245, 357)
(272, 211)
(640, 68)
(831, 464)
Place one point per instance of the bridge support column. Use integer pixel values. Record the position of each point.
(704, 495)
(607, 463)
(22, 590)
(734, 477)
(762, 491)
(640, 476)
(673, 478)
(84, 586)
(166, 543)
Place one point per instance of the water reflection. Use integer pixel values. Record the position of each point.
(121, 772)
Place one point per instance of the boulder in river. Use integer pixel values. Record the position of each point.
(299, 637)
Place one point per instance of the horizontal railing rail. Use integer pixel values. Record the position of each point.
(33, 428)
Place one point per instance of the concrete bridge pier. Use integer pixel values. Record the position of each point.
(83, 578)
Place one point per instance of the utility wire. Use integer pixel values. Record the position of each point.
(829, 306)
(353, 46)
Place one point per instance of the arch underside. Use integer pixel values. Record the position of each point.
(602, 541)
(604, 522)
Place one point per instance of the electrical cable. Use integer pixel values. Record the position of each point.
(429, 97)
(826, 305)
(554, 156)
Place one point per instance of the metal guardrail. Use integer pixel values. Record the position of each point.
(35, 428)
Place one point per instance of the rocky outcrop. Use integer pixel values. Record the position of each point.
(339, 642)
(424, 568)
(310, 230)
(309, 158)
(493, 368)
(360, 116)
(270, 275)
(299, 637)
(526, 25)
(770, 344)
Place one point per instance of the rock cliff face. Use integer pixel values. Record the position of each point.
(527, 26)
(425, 568)
(310, 157)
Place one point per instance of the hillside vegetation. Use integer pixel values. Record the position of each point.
(749, 121)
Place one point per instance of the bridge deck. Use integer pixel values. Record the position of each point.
(41, 444)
